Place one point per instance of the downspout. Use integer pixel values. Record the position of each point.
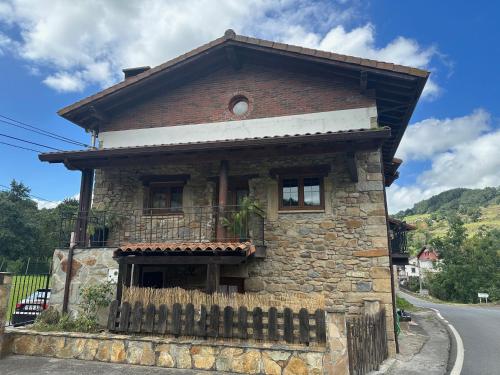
(393, 292)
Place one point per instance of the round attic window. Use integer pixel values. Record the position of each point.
(239, 105)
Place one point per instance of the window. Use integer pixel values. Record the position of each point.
(239, 105)
(301, 193)
(165, 198)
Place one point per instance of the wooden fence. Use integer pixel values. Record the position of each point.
(184, 320)
(367, 343)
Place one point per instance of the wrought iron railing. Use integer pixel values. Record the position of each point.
(399, 243)
(189, 224)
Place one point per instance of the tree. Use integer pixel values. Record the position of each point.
(25, 231)
(468, 265)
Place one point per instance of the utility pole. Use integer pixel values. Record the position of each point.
(419, 276)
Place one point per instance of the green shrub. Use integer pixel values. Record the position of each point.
(93, 297)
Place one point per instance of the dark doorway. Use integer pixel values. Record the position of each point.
(152, 279)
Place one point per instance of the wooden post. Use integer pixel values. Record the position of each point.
(213, 276)
(122, 271)
(84, 207)
(80, 228)
(223, 186)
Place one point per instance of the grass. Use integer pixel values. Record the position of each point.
(169, 296)
(22, 286)
(403, 304)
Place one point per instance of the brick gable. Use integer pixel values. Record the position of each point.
(271, 92)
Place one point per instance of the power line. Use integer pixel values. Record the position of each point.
(31, 195)
(33, 143)
(21, 147)
(35, 129)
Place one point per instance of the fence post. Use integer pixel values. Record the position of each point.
(5, 282)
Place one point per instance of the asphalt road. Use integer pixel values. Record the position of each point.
(479, 328)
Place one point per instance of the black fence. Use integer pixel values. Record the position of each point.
(273, 325)
(189, 224)
(366, 343)
(29, 296)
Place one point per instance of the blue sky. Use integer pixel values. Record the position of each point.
(51, 56)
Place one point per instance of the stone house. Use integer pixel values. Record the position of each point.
(244, 165)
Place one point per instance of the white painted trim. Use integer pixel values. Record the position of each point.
(459, 361)
(333, 121)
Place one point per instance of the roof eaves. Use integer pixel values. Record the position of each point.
(230, 35)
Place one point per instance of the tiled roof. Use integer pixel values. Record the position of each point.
(230, 35)
(163, 248)
(341, 135)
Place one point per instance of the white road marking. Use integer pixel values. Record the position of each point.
(459, 361)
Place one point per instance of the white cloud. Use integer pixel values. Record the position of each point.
(429, 137)
(53, 204)
(90, 42)
(45, 204)
(464, 153)
(65, 82)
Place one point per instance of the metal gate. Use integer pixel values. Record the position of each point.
(29, 296)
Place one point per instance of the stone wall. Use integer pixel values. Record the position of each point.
(5, 283)
(244, 358)
(90, 266)
(340, 252)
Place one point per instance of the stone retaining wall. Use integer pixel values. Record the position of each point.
(174, 353)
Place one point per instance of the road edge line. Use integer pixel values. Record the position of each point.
(459, 360)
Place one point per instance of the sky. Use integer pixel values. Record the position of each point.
(53, 53)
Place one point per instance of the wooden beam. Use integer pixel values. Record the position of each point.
(213, 277)
(122, 267)
(233, 57)
(352, 166)
(363, 81)
(86, 184)
(183, 259)
(98, 115)
(233, 155)
(223, 186)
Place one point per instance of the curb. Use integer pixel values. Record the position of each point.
(456, 356)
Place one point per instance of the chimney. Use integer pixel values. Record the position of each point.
(131, 72)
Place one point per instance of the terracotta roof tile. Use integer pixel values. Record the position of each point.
(185, 247)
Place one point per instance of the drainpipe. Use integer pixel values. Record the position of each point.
(393, 292)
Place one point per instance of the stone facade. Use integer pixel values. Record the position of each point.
(340, 252)
(173, 353)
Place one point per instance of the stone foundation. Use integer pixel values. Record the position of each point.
(241, 358)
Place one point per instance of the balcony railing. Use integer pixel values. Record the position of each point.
(189, 224)
(399, 241)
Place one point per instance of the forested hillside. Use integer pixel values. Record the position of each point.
(478, 209)
(463, 225)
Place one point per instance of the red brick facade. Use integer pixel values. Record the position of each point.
(271, 93)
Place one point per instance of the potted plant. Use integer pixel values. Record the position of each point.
(239, 222)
